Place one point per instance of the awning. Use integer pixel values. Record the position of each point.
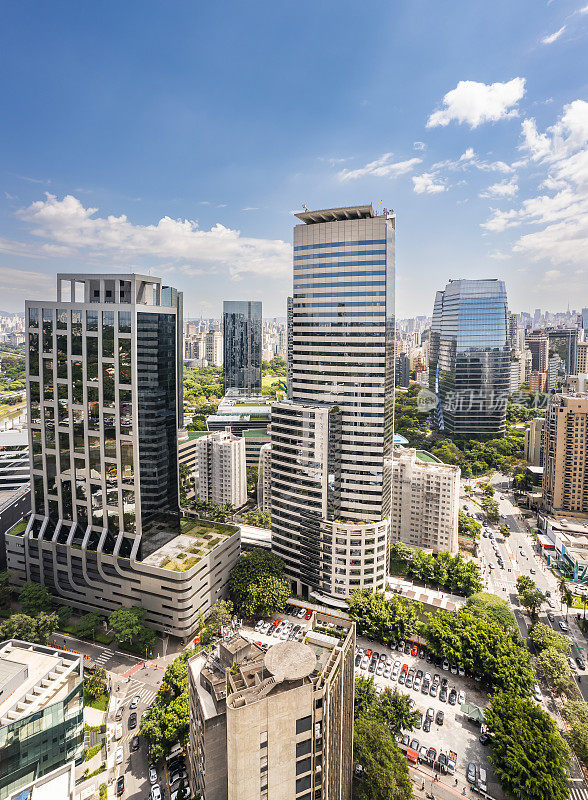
(546, 543)
(412, 755)
(475, 713)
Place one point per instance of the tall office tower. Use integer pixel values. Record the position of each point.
(41, 714)
(104, 382)
(332, 442)
(512, 330)
(565, 455)
(425, 501)
(402, 370)
(277, 723)
(469, 358)
(222, 477)
(538, 344)
(290, 345)
(242, 345)
(264, 476)
(533, 452)
(585, 318)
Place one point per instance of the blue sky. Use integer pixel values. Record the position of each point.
(180, 136)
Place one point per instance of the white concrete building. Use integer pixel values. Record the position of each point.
(425, 501)
(264, 478)
(222, 474)
(214, 348)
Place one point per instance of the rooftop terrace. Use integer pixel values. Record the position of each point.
(197, 538)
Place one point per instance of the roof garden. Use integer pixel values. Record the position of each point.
(19, 528)
(428, 458)
(196, 539)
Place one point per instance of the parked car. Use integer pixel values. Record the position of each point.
(409, 679)
(155, 792)
(414, 650)
(364, 662)
(453, 669)
(120, 785)
(461, 697)
(152, 774)
(419, 721)
(260, 625)
(445, 665)
(434, 689)
(550, 616)
(308, 614)
(431, 755)
(380, 668)
(135, 743)
(580, 663)
(572, 663)
(132, 720)
(460, 670)
(417, 684)
(430, 713)
(439, 718)
(471, 773)
(358, 659)
(119, 713)
(120, 754)
(388, 670)
(423, 752)
(406, 740)
(452, 699)
(537, 693)
(427, 725)
(415, 744)
(443, 695)
(484, 739)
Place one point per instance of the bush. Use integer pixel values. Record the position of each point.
(256, 584)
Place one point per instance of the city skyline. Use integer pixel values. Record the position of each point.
(479, 148)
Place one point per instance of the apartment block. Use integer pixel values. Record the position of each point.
(104, 395)
(275, 723)
(41, 713)
(582, 357)
(565, 455)
(538, 344)
(425, 501)
(533, 451)
(222, 473)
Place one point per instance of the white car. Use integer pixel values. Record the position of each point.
(135, 701)
(379, 690)
(388, 670)
(260, 625)
(417, 684)
(152, 774)
(395, 670)
(155, 792)
(461, 670)
(461, 697)
(445, 665)
(118, 732)
(364, 662)
(380, 668)
(120, 753)
(537, 693)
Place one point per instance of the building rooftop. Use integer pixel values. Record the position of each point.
(196, 539)
(56, 785)
(290, 661)
(256, 433)
(335, 214)
(428, 458)
(51, 675)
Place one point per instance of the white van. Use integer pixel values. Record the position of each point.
(482, 786)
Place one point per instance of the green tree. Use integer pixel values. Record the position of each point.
(395, 711)
(482, 648)
(386, 620)
(365, 698)
(576, 714)
(524, 582)
(220, 614)
(493, 609)
(532, 600)
(127, 623)
(5, 589)
(384, 773)
(96, 683)
(529, 756)
(29, 629)
(64, 615)
(87, 624)
(565, 593)
(544, 637)
(257, 585)
(166, 721)
(466, 526)
(34, 598)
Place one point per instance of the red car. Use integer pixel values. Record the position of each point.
(277, 622)
(404, 668)
(415, 650)
(368, 653)
(308, 614)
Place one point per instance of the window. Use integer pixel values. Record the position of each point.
(303, 783)
(124, 321)
(303, 766)
(303, 748)
(34, 317)
(303, 724)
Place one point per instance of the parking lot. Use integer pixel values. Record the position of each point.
(457, 733)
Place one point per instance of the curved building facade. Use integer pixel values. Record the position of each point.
(469, 358)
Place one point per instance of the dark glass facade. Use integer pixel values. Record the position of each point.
(242, 345)
(469, 358)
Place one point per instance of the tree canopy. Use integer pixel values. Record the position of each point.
(384, 769)
(443, 570)
(483, 648)
(257, 585)
(95, 684)
(529, 756)
(376, 617)
(29, 629)
(493, 609)
(166, 721)
(87, 624)
(127, 624)
(391, 708)
(34, 598)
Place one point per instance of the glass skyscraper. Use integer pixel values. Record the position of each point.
(242, 346)
(332, 439)
(469, 359)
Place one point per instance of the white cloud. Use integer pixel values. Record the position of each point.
(558, 217)
(419, 145)
(505, 188)
(553, 37)
(583, 10)
(474, 103)
(68, 224)
(427, 183)
(553, 274)
(382, 167)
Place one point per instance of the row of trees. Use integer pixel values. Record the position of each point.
(499, 656)
(384, 771)
(467, 526)
(263, 519)
(385, 620)
(166, 721)
(443, 570)
(529, 755)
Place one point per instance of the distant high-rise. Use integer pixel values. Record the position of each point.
(222, 475)
(469, 361)
(242, 345)
(538, 344)
(332, 442)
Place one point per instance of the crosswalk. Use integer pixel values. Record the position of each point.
(578, 790)
(146, 694)
(104, 656)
